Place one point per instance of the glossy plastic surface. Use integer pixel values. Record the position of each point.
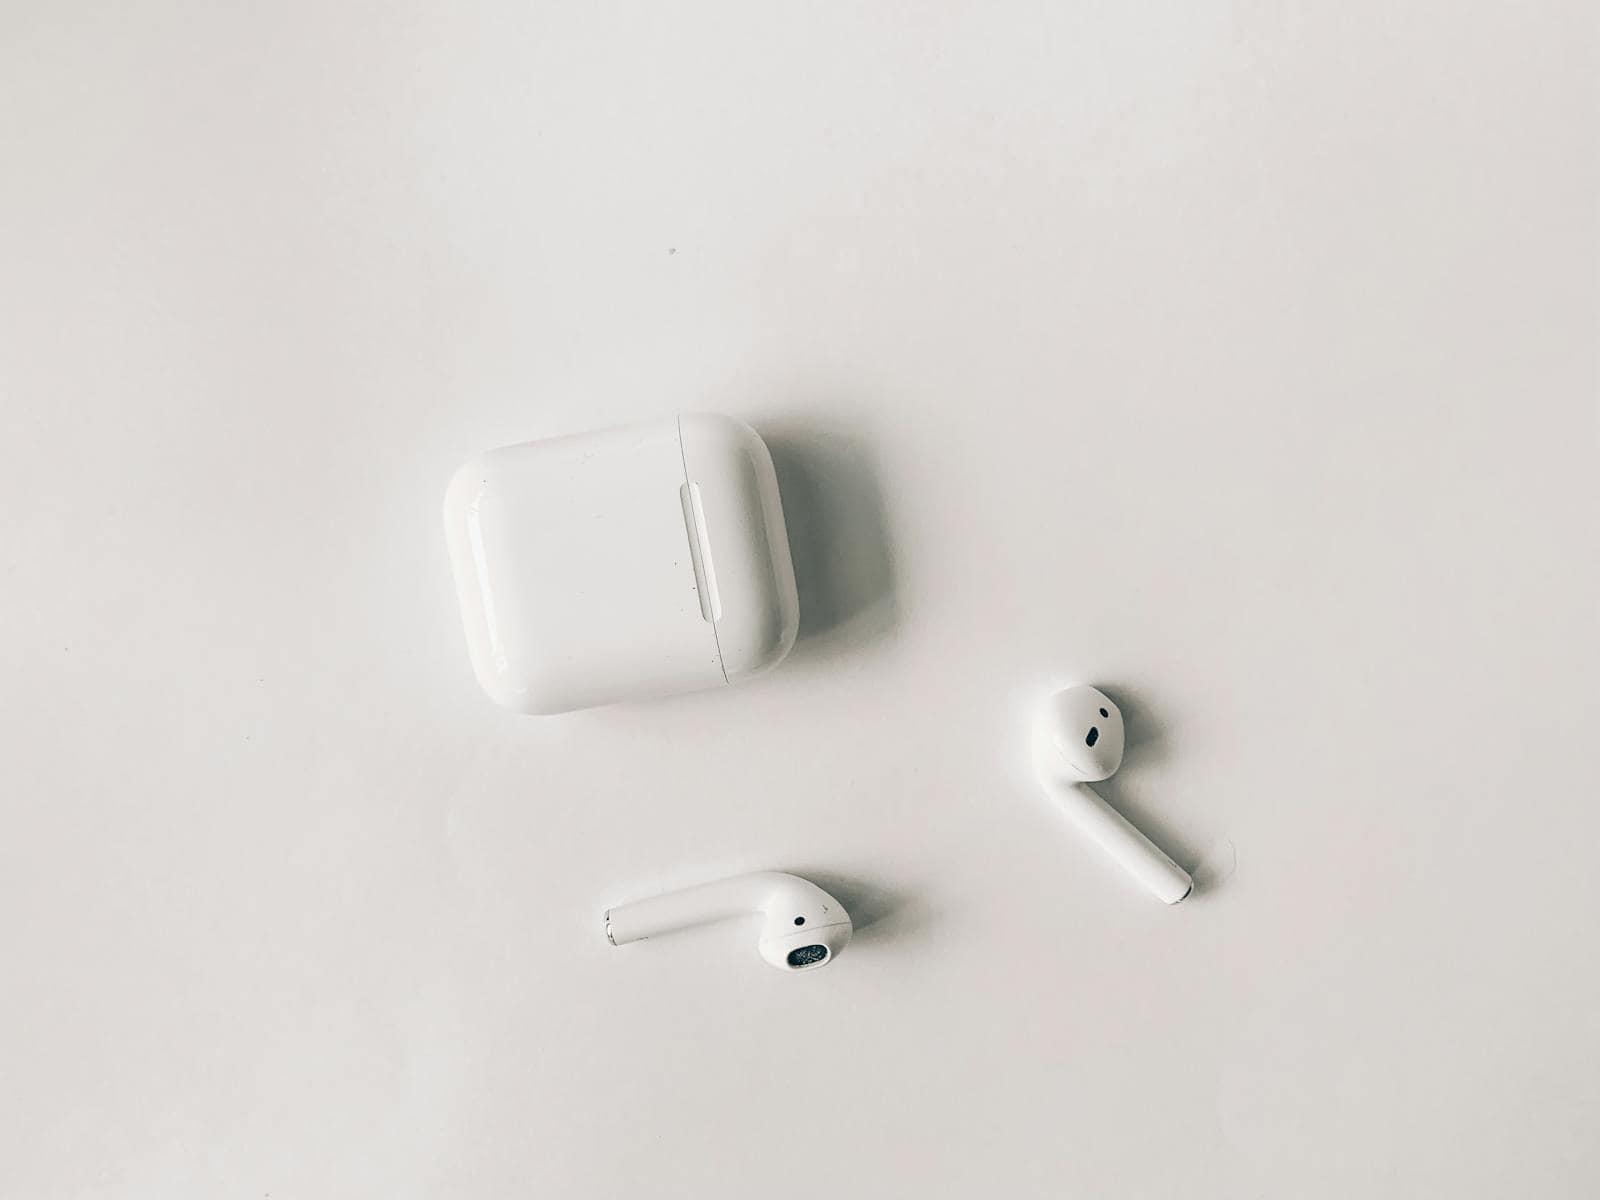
(802, 926)
(621, 564)
(1078, 737)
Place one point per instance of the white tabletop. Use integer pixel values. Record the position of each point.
(1239, 361)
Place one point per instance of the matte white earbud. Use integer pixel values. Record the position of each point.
(802, 926)
(1077, 740)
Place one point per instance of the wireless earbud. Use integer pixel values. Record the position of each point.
(1077, 740)
(801, 927)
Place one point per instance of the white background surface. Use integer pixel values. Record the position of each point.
(1238, 359)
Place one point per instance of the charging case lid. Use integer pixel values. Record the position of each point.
(622, 564)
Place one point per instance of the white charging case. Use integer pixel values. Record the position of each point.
(622, 564)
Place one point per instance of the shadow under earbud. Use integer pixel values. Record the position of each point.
(1153, 823)
(875, 911)
(1144, 736)
(1214, 868)
(1145, 745)
(838, 537)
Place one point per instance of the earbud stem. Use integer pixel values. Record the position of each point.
(1110, 830)
(691, 906)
